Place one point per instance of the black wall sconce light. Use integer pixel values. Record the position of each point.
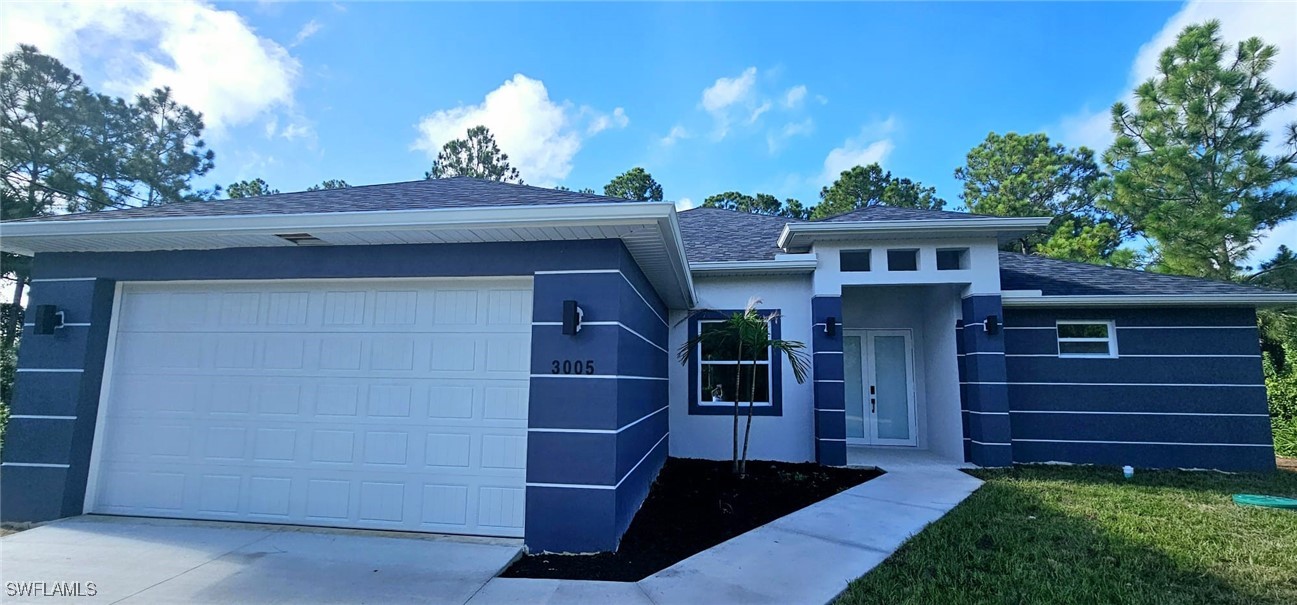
(48, 319)
(992, 325)
(830, 326)
(572, 315)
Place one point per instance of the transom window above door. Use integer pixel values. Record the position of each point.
(1083, 338)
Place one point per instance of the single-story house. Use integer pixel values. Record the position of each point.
(471, 357)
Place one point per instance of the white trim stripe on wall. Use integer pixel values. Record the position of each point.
(35, 464)
(41, 417)
(49, 370)
(58, 279)
(619, 481)
(604, 323)
(599, 431)
(1142, 443)
(1097, 413)
(607, 376)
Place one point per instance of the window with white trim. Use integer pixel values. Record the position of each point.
(717, 370)
(1087, 338)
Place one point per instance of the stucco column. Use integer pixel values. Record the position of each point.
(982, 386)
(830, 390)
(56, 401)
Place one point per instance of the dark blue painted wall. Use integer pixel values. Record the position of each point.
(830, 390)
(1185, 391)
(602, 276)
(584, 488)
(983, 394)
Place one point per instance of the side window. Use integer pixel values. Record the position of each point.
(1087, 339)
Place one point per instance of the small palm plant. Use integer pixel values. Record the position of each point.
(748, 333)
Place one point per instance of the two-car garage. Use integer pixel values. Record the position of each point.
(383, 404)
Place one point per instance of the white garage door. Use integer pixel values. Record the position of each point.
(386, 404)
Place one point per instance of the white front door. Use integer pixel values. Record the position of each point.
(377, 404)
(879, 367)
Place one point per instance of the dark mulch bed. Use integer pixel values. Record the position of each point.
(695, 505)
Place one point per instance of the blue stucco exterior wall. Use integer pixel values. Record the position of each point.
(830, 389)
(982, 388)
(620, 412)
(595, 442)
(1185, 391)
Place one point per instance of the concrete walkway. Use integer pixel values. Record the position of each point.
(807, 557)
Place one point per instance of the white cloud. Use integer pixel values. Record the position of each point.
(603, 121)
(540, 136)
(212, 59)
(683, 204)
(729, 91)
(776, 139)
(872, 145)
(756, 112)
(1273, 22)
(311, 28)
(677, 132)
(795, 96)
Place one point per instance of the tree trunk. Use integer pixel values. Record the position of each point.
(747, 432)
(738, 376)
(12, 324)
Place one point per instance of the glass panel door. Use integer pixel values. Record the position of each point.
(852, 362)
(891, 418)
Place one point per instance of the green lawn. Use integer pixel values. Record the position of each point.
(1085, 535)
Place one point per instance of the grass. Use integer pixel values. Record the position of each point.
(1285, 436)
(1085, 535)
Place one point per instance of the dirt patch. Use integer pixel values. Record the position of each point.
(695, 505)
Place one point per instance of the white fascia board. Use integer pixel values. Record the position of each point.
(766, 267)
(461, 218)
(675, 245)
(1200, 300)
(794, 233)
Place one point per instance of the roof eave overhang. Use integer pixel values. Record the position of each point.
(799, 236)
(763, 267)
(34, 237)
(1202, 300)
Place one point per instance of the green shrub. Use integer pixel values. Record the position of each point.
(8, 365)
(1285, 436)
(1281, 389)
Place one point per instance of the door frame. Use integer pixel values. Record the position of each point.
(866, 373)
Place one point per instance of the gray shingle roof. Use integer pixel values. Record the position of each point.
(1065, 278)
(713, 235)
(888, 213)
(457, 192)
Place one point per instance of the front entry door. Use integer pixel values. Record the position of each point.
(879, 366)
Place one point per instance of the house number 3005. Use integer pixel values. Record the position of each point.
(572, 366)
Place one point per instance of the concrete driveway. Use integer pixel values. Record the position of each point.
(164, 561)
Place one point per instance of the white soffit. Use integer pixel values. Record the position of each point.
(650, 232)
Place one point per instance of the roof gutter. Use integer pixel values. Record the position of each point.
(1159, 300)
(796, 235)
(762, 267)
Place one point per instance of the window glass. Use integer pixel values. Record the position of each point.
(717, 368)
(902, 260)
(1087, 339)
(1095, 330)
(854, 260)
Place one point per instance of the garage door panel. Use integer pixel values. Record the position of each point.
(397, 407)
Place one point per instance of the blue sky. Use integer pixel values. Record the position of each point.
(771, 98)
